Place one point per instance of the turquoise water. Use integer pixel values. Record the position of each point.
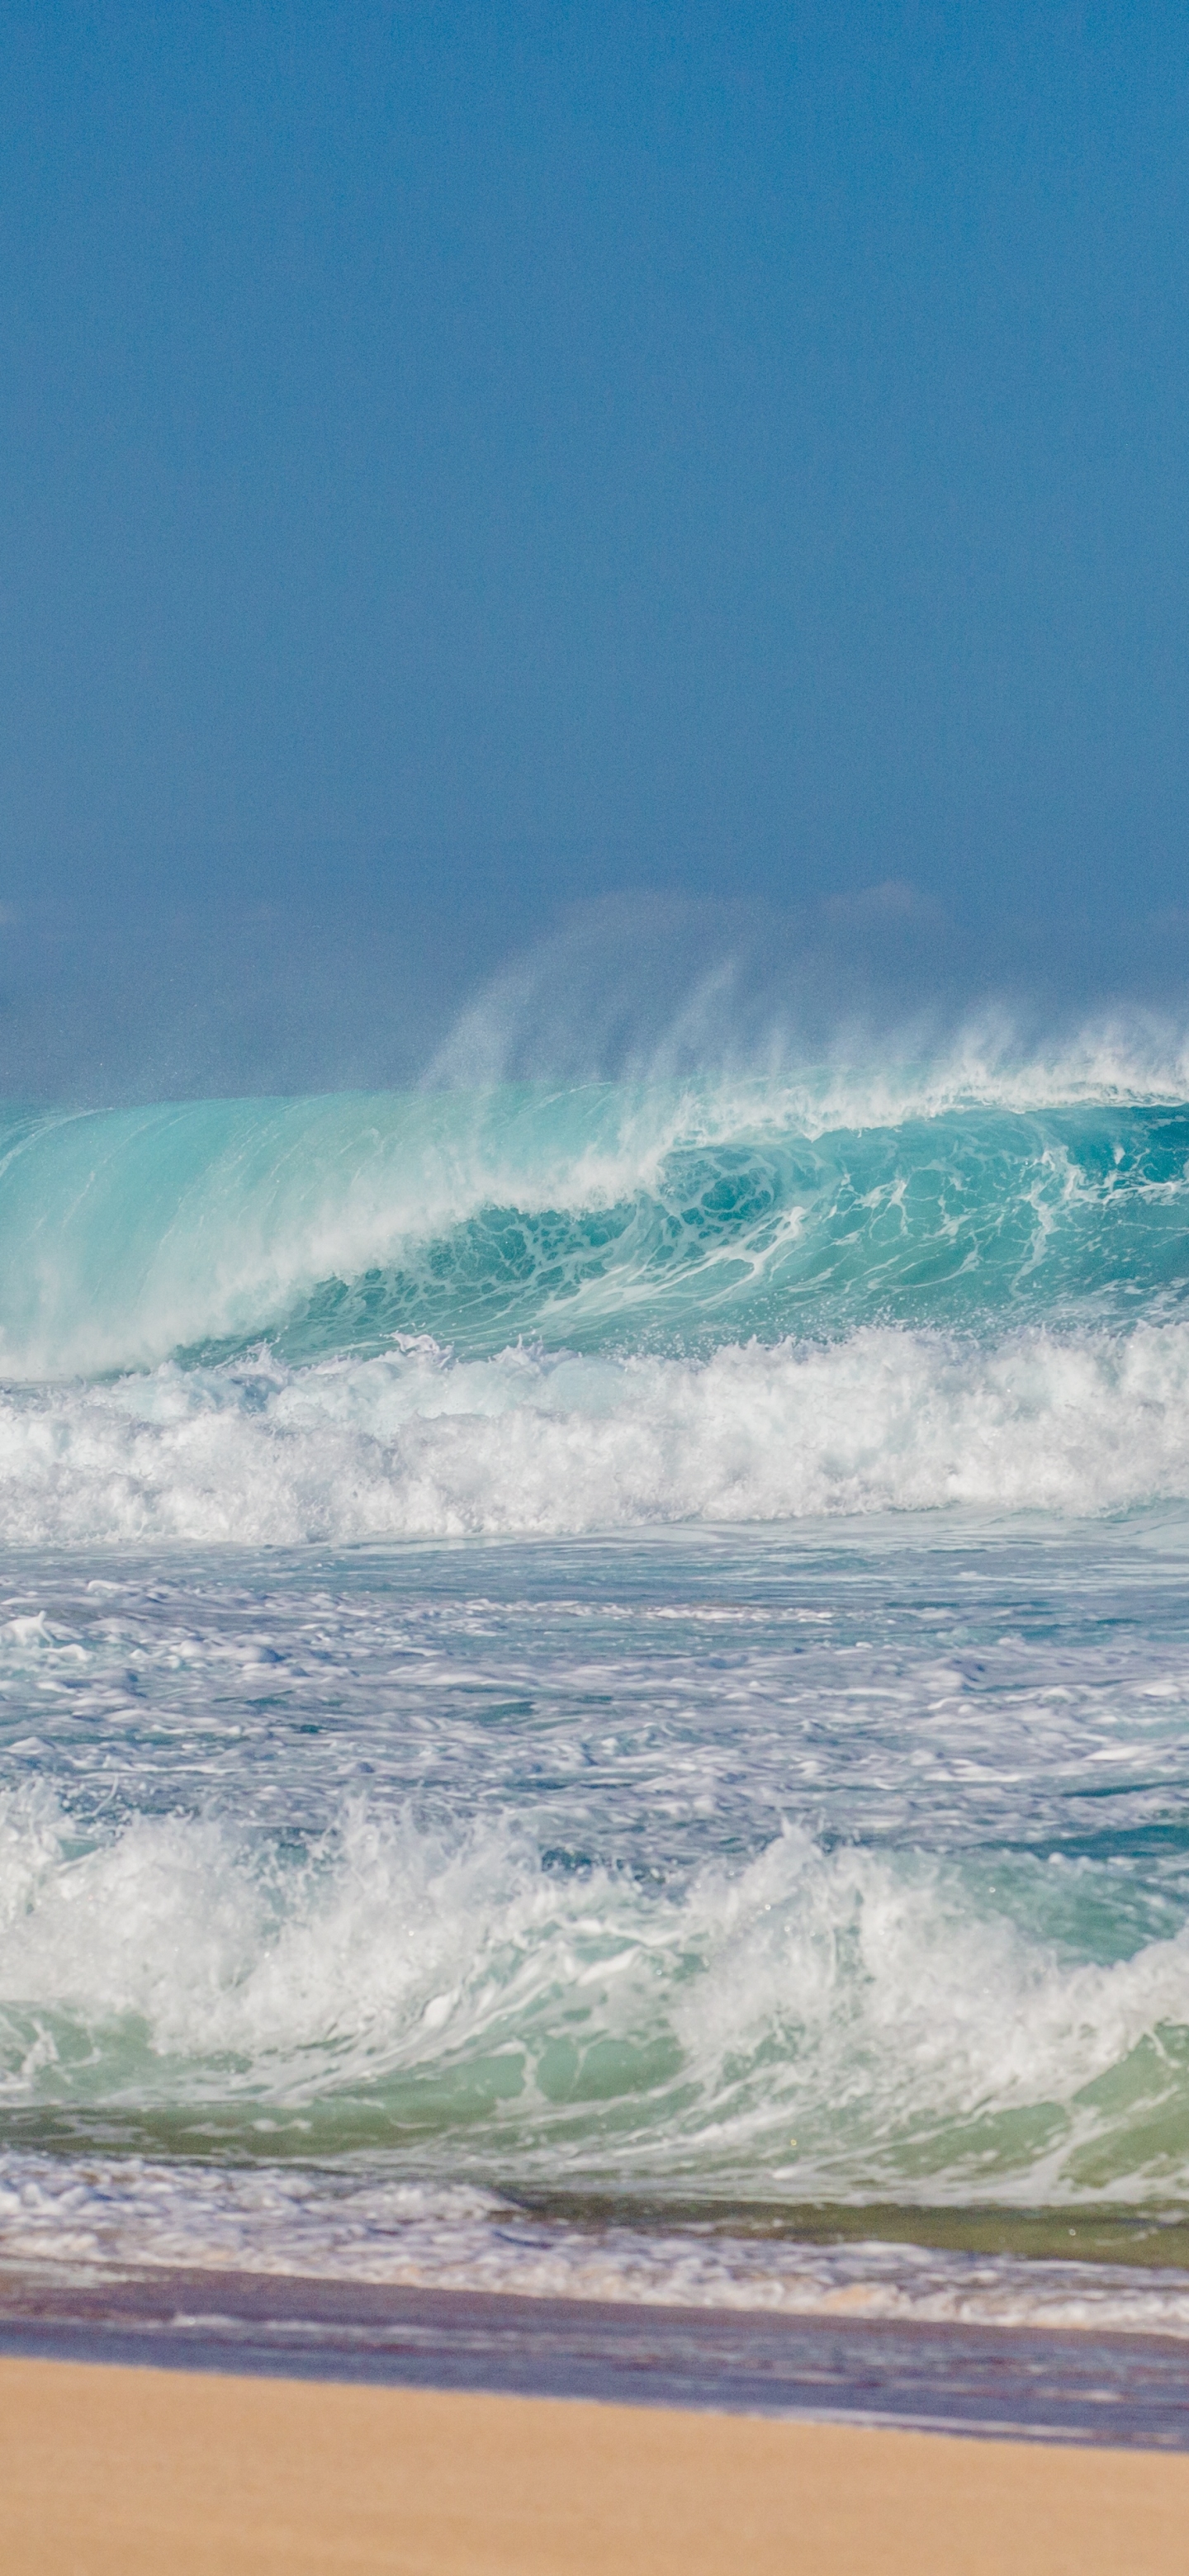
(603, 1649)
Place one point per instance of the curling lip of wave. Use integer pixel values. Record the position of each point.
(636, 1215)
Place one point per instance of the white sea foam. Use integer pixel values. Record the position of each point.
(413, 1443)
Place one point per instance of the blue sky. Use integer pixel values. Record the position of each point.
(470, 470)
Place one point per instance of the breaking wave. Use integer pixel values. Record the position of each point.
(415, 1443)
(813, 2023)
(557, 1310)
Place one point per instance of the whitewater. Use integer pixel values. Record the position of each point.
(593, 1687)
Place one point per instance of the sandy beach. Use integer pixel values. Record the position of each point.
(110, 2471)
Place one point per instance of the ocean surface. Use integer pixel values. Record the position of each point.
(594, 1691)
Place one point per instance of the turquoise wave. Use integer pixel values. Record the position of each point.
(949, 1223)
(609, 1217)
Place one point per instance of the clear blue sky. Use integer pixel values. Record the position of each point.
(461, 463)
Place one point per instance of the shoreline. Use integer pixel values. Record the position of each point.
(122, 2472)
(1071, 2386)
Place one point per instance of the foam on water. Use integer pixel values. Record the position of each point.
(417, 1443)
(662, 1861)
(98, 2216)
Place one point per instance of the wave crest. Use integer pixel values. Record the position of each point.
(609, 1216)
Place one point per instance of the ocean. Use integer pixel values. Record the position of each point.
(594, 1687)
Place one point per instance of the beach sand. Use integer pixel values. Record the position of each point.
(111, 2471)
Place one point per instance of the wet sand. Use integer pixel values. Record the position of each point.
(115, 2471)
(1122, 2390)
